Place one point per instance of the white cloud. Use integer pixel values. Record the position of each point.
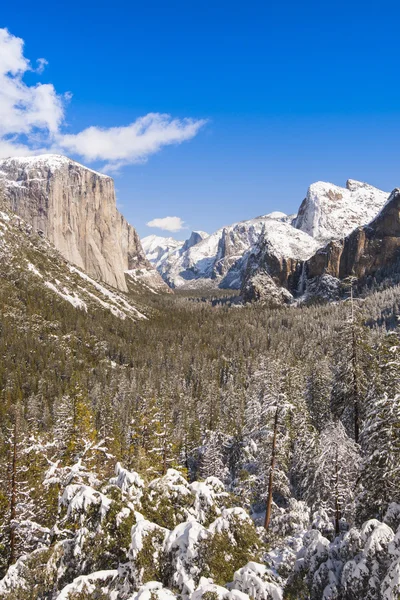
(35, 110)
(32, 119)
(132, 143)
(167, 223)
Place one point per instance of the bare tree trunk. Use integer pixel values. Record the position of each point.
(271, 472)
(337, 502)
(355, 374)
(13, 497)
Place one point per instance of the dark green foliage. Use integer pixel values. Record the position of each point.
(225, 552)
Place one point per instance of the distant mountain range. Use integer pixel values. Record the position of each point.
(275, 258)
(264, 257)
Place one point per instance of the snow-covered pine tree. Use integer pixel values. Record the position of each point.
(379, 481)
(350, 367)
(336, 468)
(318, 393)
(212, 462)
(18, 501)
(274, 448)
(387, 380)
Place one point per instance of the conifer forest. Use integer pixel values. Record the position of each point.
(212, 450)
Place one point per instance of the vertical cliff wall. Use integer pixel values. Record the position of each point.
(75, 208)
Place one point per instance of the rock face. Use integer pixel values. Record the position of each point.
(366, 251)
(327, 215)
(75, 208)
(372, 250)
(275, 244)
(220, 259)
(331, 212)
(275, 264)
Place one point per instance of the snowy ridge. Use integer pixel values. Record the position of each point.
(47, 161)
(222, 257)
(157, 247)
(332, 212)
(329, 212)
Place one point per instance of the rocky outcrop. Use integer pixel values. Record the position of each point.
(263, 289)
(75, 208)
(195, 238)
(366, 251)
(327, 215)
(221, 259)
(276, 244)
(371, 251)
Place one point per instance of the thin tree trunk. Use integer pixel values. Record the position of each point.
(355, 375)
(337, 503)
(13, 497)
(271, 472)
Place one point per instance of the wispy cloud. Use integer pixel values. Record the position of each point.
(167, 224)
(133, 143)
(32, 119)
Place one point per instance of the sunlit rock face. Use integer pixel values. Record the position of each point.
(75, 208)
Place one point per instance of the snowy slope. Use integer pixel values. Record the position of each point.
(332, 212)
(24, 254)
(53, 162)
(221, 258)
(157, 247)
(328, 212)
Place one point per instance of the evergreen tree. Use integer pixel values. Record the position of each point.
(318, 393)
(379, 481)
(336, 467)
(212, 459)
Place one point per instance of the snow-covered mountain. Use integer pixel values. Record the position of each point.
(331, 212)
(157, 247)
(218, 259)
(328, 212)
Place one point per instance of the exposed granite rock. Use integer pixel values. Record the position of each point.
(366, 250)
(75, 208)
(369, 251)
(332, 212)
(262, 288)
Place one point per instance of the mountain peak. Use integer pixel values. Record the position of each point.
(332, 212)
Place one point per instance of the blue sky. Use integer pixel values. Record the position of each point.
(291, 92)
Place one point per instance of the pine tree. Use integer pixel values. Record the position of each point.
(318, 393)
(379, 481)
(274, 448)
(212, 462)
(351, 364)
(336, 466)
(21, 484)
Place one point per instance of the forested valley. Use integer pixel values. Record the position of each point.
(208, 451)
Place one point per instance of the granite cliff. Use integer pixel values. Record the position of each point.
(366, 252)
(75, 208)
